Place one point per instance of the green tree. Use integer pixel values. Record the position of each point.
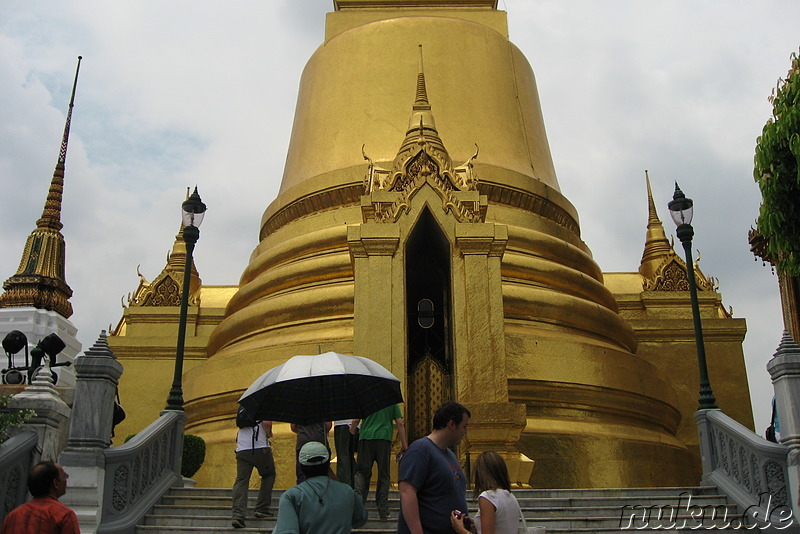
(10, 419)
(777, 172)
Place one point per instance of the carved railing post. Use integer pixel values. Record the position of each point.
(90, 432)
(784, 368)
(52, 414)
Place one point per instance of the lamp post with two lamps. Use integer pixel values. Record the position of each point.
(681, 210)
(50, 346)
(193, 211)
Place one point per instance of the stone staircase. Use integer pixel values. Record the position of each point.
(205, 510)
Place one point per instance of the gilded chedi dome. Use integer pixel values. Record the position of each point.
(445, 251)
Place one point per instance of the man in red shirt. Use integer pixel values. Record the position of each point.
(44, 514)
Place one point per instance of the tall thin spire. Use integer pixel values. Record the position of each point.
(40, 280)
(51, 215)
(656, 246)
(652, 215)
(421, 103)
(421, 126)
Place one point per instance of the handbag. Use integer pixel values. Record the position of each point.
(525, 529)
(770, 433)
(119, 414)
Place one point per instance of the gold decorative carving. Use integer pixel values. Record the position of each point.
(167, 287)
(428, 390)
(167, 292)
(351, 194)
(38, 291)
(426, 163)
(673, 276)
(39, 281)
(758, 246)
(347, 195)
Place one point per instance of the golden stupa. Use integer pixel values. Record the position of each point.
(387, 217)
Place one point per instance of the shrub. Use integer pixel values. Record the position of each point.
(194, 453)
(11, 419)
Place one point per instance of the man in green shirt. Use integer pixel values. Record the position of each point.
(375, 446)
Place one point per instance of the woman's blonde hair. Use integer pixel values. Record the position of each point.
(490, 473)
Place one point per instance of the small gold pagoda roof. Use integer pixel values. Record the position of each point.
(661, 268)
(167, 287)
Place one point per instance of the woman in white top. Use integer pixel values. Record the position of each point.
(498, 509)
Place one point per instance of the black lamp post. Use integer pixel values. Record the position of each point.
(193, 211)
(680, 208)
(50, 346)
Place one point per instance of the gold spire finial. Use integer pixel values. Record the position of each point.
(40, 281)
(652, 215)
(656, 247)
(421, 102)
(51, 215)
(421, 126)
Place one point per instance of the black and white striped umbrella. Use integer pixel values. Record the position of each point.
(322, 387)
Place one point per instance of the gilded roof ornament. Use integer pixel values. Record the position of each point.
(758, 246)
(422, 159)
(40, 279)
(166, 288)
(661, 268)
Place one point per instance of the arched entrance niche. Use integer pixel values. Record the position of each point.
(392, 260)
(429, 372)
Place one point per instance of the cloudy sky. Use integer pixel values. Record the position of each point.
(177, 93)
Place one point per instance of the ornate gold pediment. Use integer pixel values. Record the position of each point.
(167, 287)
(165, 292)
(385, 200)
(422, 159)
(672, 275)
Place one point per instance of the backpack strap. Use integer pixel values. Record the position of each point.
(256, 430)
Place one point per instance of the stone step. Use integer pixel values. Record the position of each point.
(533, 512)
(619, 502)
(527, 501)
(590, 521)
(224, 521)
(519, 493)
(153, 529)
(198, 510)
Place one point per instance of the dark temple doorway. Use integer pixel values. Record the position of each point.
(430, 365)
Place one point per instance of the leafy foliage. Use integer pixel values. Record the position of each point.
(777, 172)
(10, 419)
(194, 453)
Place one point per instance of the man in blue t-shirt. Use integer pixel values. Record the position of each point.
(432, 483)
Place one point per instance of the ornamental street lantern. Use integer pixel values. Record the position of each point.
(681, 210)
(192, 211)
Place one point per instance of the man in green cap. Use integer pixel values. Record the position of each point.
(319, 504)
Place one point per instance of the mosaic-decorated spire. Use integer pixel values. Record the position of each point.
(40, 279)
